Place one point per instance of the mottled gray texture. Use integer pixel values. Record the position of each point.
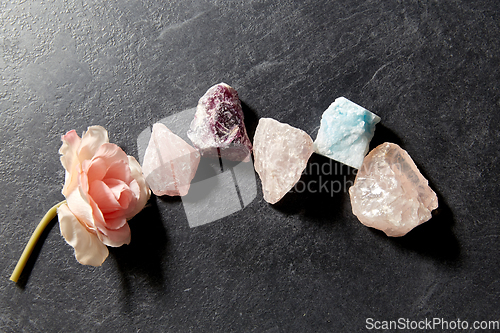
(429, 69)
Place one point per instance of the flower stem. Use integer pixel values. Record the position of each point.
(33, 240)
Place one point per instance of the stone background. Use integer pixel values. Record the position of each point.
(429, 69)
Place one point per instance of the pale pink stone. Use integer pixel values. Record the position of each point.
(169, 162)
(389, 193)
(281, 153)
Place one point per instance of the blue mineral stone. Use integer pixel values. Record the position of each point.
(345, 132)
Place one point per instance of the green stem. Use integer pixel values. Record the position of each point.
(33, 240)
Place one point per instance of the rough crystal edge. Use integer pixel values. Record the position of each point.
(233, 151)
(302, 168)
(180, 189)
(340, 102)
(432, 205)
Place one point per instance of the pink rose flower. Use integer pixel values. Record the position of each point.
(104, 188)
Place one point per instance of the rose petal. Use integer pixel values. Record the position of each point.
(98, 217)
(119, 170)
(121, 191)
(69, 160)
(143, 193)
(114, 215)
(114, 223)
(118, 237)
(95, 168)
(113, 235)
(127, 199)
(131, 197)
(89, 250)
(104, 197)
(71, 142)
(100, 167)
(110, 153)
(81, 208)
(83, 181)
(91, 141)
(135, 188)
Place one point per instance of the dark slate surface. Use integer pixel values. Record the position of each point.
(429, 69)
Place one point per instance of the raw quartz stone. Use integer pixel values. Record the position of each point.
(281, 153)
(169, 162)
(345, 132)
(389, 193)
(218, 128)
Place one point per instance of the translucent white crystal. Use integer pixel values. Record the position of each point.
(345, 132)
(169, 162)
(281, 153)
(390, 193)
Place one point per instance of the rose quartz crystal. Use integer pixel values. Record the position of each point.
(218, 128)
(281, 153)
(169, 162)
(389, 192)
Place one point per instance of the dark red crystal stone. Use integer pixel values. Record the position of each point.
(218, 128)
(225, 114)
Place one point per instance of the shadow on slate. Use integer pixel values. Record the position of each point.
(166, 198)
(435, 237)
(147, 251)
(204, 171)
(383, 134)
(24, 277)
(319, 202)
(324, 205)
(251, 120)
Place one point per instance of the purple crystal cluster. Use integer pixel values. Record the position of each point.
(218, 127)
